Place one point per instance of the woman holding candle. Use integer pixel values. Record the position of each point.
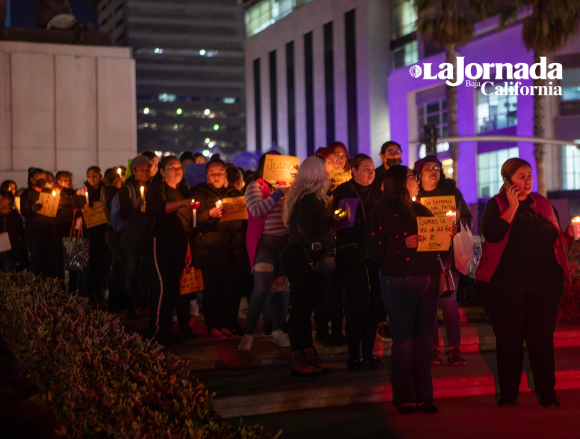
(409, 284)
(267, 235)
(521, 277)
(131, 197)
(40, 237)
(214, 251)
(169, 202)
(433, 183)
(359, 281)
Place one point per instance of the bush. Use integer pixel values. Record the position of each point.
(100, 381)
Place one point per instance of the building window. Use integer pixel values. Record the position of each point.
(570, 84)
(495, 112)
(433, 113)
(258, 17)
(405, 55)
(489, 165)
(570, 167)
(403, 18)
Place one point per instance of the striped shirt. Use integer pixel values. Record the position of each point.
(271, 208)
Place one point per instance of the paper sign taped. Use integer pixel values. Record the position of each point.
(194, 174)
(94, 216)
(49, 204)
(434, 233)
(439, 206)
(191, 281)
(234, 209)
(339, 176)
(281, 168)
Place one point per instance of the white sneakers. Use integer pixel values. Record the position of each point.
(280, 338)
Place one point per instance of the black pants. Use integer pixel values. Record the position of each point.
(116, 298)
(221, 300)
(362, 293)
(305, 285)
(169, 258)
(524, 309)
(97, 270)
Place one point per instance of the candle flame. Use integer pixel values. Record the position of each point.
(119, 171)
(54, 193)
(414, 199)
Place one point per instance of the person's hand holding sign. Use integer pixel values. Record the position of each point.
(412, 241)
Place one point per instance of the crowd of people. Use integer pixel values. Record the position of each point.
(302, 254)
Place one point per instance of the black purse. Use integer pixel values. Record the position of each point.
(446, 284)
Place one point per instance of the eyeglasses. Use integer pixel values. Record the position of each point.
(392, 152)
(432, 168)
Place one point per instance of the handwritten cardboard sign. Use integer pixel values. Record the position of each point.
(191, 281)
(281, 168)
(434, 233)
(439, 206)
(49, 204)
(194, 174)
(339, 176)
(234, 209)
(94, 216)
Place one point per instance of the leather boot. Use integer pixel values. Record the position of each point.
(312, 359)
(301, 367)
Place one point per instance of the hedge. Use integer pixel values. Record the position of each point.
(100, 381)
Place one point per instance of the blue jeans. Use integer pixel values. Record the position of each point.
(413, 312)
(451, 318)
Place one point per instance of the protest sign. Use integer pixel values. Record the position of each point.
(191, 281)
(339, 176)
(17, 203)
(49, 204)
(281, 168)
(94, 216)
(194, 174)
(234, 209)
(434, 233)
(439, 206)
(350, 206)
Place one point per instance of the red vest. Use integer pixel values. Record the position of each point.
(492, 251)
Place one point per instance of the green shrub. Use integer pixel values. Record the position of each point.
(100, 381)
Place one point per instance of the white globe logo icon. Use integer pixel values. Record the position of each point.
(415, 71)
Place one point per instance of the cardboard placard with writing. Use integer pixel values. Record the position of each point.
(191, 281)
(339, 176)
(94, 216)
(194, 174)
(49, 205)
(234, 209)
(439, 206)
(17, 203)
(350, 206)
(281, 168)
(434, 233)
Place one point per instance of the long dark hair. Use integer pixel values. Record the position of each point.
(509, 168)
(395, 187)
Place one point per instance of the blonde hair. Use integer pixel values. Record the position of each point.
(312, 179)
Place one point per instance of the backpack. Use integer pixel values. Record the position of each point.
(117, 223)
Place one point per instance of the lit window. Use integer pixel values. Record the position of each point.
(229, 100)
(216, 127)
(179, 111)
(489, 164)
(202, 52)
(570, 84)
(164, 97)
(403, 18)
(495, 112)
(158, 50)
(405, 55)
(433, 113)
(441, 147)
(207, 112)
(146, 111)
(570, 167)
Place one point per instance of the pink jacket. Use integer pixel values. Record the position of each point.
(492, 251)
(256, 226)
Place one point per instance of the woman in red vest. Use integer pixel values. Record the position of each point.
(521, 278)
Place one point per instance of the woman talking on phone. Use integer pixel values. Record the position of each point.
(521, 278)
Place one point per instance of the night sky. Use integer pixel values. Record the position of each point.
(23, 12)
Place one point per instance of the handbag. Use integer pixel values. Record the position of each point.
(75, 249)
(191, 281)
(446, 284)
(466, 252)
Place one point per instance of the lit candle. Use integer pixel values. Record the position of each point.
(194, 215)
(414, 199)
(87, 196)
(341, 213)
(142, 191)
(119, 171)
(218, 204)
(576, 228)
(54, 193)
(451, 214)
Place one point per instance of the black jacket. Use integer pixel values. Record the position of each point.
(388, 226)
(214, 240)
(13, 224)
(380, 174)
(69, 201)
(311, 221)
(370, 197)
(39, 228)
(127, 207)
